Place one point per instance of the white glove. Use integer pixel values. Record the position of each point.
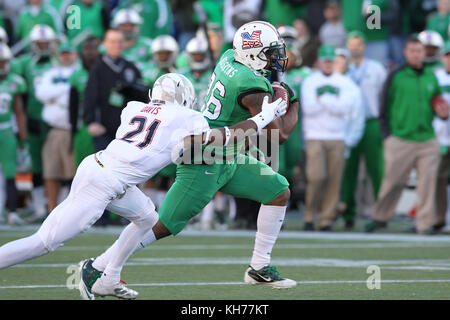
(269, 112)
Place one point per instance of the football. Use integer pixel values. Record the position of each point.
(280, 92)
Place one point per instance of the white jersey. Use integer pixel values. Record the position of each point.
(149, 138)
(442, 127)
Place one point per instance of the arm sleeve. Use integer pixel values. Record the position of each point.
(310, 105)
(384, 105)
(73, 109)
(91, 96)
(357, 121)
(46, 90)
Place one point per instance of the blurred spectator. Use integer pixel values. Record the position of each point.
(31, 66)
(185, 23)
(11, 10)
(83, 144)
(370, 76)
(440, 20)
(332, 32)
(12, 87)
(410, 142)
(284, 12)
(418, 13)
(164, 54)
(36, 13)
(308, 44)
(53, 91)
(327, 102)
(433, 44)
(94, 21)
(112, 82)
(398, 30)
(157, 16)
(214, 11)
(314, 14)
(442, 128)
(136, 47)
(238, 12)
(199, 71)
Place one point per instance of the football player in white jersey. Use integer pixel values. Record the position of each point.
(148, 137)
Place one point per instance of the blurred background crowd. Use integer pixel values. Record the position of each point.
(373, 77)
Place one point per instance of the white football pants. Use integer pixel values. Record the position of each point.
(93, 190)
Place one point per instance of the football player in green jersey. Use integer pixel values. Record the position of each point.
(164, 54)
(137, 48)
(199, 71)
(236, 92)
(12, 87)
(31, 67)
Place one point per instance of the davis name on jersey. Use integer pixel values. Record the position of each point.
(149, 138)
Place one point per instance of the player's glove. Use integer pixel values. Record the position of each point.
(269, 112)
(291, 93)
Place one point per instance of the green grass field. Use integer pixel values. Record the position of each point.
(211, 265)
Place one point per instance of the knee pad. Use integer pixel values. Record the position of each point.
(147, 219)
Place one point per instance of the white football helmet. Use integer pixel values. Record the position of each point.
(198, 45)
(6, 56)
(3, 36)
(43, 33)
(128, 16)
(259, 46)
(431, 38)
(175, 88)
(165, 43)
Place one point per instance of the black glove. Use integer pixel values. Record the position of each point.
(291, 93)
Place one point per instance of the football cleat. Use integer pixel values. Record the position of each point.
(102, 288)
(89, 276)
(268, 276)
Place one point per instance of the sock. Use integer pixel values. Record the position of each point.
(18, 251)
(207, 216)
(11, 195)
(270, 220)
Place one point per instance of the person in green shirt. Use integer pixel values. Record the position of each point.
(164, 54)
(31, 66)
(12, 86)
(199, 71)
(136, 47)
(440, 20)
(36, 13)
(83, 144)
(93, 20)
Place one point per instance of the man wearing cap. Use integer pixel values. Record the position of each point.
(53, 91)
(442, 129)
(328, 100)
(406, 116)
(369, 75)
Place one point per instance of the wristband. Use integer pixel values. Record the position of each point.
(227, 135)
(261, 121)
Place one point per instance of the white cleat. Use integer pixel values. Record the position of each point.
(268, 276)
(102, 289)
(15, 220)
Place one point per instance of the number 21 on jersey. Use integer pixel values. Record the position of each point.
(141, 122)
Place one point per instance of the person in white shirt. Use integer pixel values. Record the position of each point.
(332, 32)
(53, 91)
(328, 101)
(370, 76)
(150, 137)
(442, 129)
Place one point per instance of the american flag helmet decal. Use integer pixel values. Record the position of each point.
(251, 41)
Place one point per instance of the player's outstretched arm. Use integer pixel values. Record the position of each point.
(285, 124)
(270, 111)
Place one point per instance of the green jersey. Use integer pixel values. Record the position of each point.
(140, 52)
(151, 72)
(32, 71)
(78, 80)
(201, 85)
(11, 86)
(440, 24)
(28, 19)
(90, 20)
(229, 82)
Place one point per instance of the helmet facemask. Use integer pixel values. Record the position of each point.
(275, 56)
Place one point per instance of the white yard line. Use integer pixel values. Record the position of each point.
(176, 284)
